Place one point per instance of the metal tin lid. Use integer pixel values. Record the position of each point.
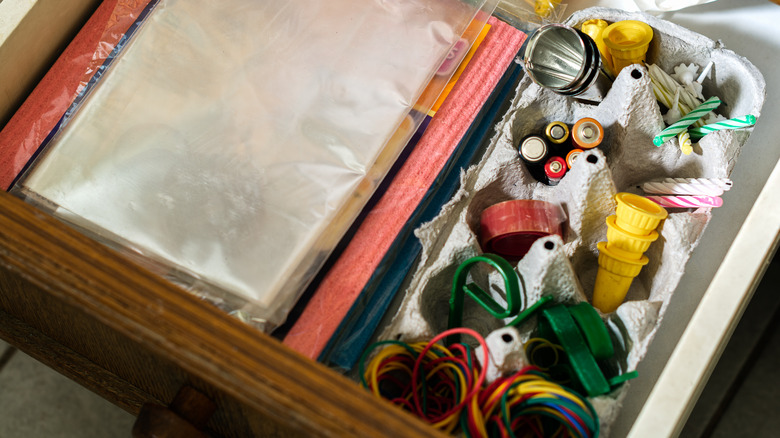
(533, 149)
(568, 62)
(555, 56)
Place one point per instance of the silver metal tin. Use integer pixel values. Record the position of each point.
(566, 61)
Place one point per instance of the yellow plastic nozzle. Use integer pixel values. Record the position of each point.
(627, 244)
(610, 290)
(627, 42)
(594, 28)
(637, 214)
(619, 265)
(614, 278)
(618, 251)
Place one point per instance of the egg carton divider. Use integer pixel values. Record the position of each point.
(566, 268)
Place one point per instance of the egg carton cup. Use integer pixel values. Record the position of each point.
(566, 268)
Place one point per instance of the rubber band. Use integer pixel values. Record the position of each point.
(544, 343)
(445, 387)
(430, 380)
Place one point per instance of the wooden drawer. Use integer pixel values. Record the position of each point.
(134, 338)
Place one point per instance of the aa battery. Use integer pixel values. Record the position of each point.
(572, 156)
(534, 149)
(557, 132)
(554, 170)
(587, 133)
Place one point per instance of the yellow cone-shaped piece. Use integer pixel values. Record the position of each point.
(593, 28)
(627, 41)
(614, 278)
(625, 244)
(610, 290)
(637, 214)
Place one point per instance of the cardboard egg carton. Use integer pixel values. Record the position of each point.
(627, 157)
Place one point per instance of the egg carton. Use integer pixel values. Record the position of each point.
(566, 268)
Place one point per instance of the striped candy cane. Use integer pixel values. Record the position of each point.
(681, 125)
(687, 201)
(688, 186)
(735, 123)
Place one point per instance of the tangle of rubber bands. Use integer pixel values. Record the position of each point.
(445, 387)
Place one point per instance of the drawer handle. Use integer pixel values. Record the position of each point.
(185, 418)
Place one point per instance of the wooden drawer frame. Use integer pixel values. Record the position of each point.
(132, 337)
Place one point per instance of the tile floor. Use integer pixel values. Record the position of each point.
(36, 401)
(742, 397)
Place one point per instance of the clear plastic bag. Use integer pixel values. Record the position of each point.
(530, 14)
(233, 142)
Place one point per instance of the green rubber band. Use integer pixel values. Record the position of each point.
(525, 314)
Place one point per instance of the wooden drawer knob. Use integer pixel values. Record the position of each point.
(185, 418)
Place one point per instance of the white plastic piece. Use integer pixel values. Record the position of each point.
(673, 114)
(506, 353)
(685, 73)
(706, 72)
(695, 89)
(713, 118)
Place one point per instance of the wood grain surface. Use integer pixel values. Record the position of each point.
(145, 336)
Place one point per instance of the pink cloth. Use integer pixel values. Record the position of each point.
(349, 275)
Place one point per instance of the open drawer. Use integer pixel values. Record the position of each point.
(133, 338)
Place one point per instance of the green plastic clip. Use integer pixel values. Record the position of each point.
(623, 378)
(512, 289)
(593, 330)
(525, 314)
(559, 321)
